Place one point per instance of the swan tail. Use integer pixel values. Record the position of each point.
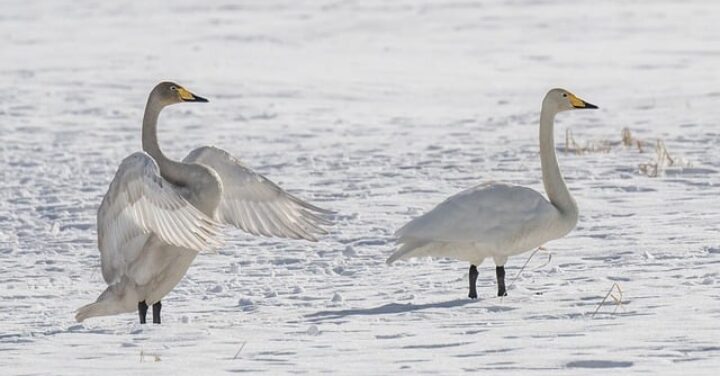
(109, 303)
(92, 310)
(409, 249)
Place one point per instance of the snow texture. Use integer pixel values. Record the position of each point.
(378, 110)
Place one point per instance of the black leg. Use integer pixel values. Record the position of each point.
(156, 312)
(500, 272)
(473, 280)
(142, 311)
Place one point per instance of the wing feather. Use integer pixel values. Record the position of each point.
(255, 204)
(140, 203)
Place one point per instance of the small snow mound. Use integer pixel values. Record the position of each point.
(246, 304)
(271, 294)
(337, 298)
(349, 251)
(648, 256)
(313, 330)
(216, 289)
(137, 329)
(185, 319)
(298, 290)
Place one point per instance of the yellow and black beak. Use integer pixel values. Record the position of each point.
(579, 103)
(187, 96)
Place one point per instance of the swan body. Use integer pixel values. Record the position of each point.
(490, 220)
(159, 213)
(498, 220)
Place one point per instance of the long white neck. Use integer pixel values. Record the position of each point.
(171, 170)
(204, 184)
(554, 183)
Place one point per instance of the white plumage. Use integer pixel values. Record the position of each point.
(139, 204)
(257, 205)
(158, 214)
(489, 220)
(498, 220)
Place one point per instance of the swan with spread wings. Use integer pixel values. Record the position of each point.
(159, 213)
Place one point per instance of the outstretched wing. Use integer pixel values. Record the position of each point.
(140, 203)
(257, 205)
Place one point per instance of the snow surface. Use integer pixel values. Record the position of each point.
(378, 110)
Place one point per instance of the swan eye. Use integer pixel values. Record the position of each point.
(564, 95)
(173, 88)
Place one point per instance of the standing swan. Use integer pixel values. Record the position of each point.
(159, 213)
(498, 220)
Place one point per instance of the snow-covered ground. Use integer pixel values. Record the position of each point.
(378, 110)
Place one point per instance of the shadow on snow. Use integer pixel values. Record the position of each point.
(387, 309)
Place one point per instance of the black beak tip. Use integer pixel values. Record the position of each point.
(590, 106)
(200, 99)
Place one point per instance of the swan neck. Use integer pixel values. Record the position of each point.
(169, 169)
(555, 187)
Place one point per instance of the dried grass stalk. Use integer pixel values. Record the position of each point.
(616, 293)
(590, 147)
(662, 160)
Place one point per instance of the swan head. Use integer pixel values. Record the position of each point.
(168, 93)
(563, 100)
